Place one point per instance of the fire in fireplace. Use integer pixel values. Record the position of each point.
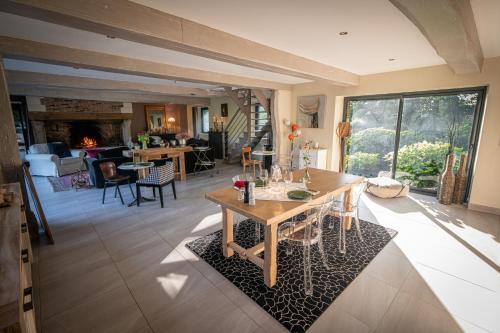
(88, 142)
(85, 134)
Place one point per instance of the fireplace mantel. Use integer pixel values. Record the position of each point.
(44, 115)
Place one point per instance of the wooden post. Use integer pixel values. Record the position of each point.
(10, 161)
(270, 254)
(348, 208)
(227, 232)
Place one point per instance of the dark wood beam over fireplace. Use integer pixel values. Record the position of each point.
(78, 116)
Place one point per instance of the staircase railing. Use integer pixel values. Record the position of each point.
(235, 128)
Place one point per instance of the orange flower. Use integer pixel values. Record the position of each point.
(291, 136)
(294, 127)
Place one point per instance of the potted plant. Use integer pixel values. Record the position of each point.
(143, 138)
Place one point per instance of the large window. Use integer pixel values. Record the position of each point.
(205, 120)
(407, 136)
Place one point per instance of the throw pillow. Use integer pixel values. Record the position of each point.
(59, 148)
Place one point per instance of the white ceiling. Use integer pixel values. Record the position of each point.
(487, 17)
(376, 30)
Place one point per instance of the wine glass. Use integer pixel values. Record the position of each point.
(276, 176)
(264, 176)
(287, 178)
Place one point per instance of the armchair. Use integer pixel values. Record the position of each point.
(42, 163)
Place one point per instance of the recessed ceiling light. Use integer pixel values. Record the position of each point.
(391, 59)
(343, 33)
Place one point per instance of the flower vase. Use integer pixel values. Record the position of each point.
(307, 177)
(460, 181)
(144, 145)
(447, 182)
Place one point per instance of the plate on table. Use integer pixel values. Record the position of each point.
(260, 183)
(127, 164)
(144, 164)
(299, 195)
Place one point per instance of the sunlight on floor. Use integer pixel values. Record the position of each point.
(443, 265)
(173, 283)
(207, 222)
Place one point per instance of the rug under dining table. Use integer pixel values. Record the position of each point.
(286, 301)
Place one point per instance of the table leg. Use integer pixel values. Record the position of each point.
(348, 208)
(227, 232)
(270, 254)
(182, 166)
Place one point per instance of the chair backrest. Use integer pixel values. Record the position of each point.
(160, 174)
(356, 193)
(161, 161)
(39, 148)
(108, 169)
(246, 153)
(322, 209)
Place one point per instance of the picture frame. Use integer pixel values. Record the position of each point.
(224, 110)
(311, 111)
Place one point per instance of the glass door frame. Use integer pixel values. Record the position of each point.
(474, 136)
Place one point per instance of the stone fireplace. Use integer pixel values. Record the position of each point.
(75, 132)
(80, 124)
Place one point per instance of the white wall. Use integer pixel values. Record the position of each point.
(214, 108)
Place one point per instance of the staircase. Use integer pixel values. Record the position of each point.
(250, 126)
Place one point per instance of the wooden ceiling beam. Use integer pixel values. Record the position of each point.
(108, 96)
(24, 49)
(47, 115)
(450, 28)
(64, 81)
(137, 23)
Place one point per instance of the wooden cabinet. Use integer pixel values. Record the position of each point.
(317, 159)
(17, 311)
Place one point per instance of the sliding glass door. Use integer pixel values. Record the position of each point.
(407, 136)
(374, 123)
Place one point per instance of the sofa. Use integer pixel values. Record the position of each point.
(112, 154)
(54, 159)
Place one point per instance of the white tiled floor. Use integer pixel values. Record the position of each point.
(120, 269)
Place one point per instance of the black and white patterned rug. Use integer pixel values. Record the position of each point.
(286, 301)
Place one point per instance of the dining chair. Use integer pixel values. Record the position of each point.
(246, 159)
(160, 175)
(306, 233)
(337, 208)
(112, 178)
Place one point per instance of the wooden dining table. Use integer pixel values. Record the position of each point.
(271, 213)
(149, 154)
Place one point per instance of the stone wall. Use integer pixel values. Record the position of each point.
(77, 105)
(108, 132)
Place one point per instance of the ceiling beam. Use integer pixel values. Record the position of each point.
(137, 23)
(60, 55)
(450, 28)
(63, 81)
(101, 95)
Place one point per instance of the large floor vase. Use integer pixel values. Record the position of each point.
(460, 181)
(447, 185)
